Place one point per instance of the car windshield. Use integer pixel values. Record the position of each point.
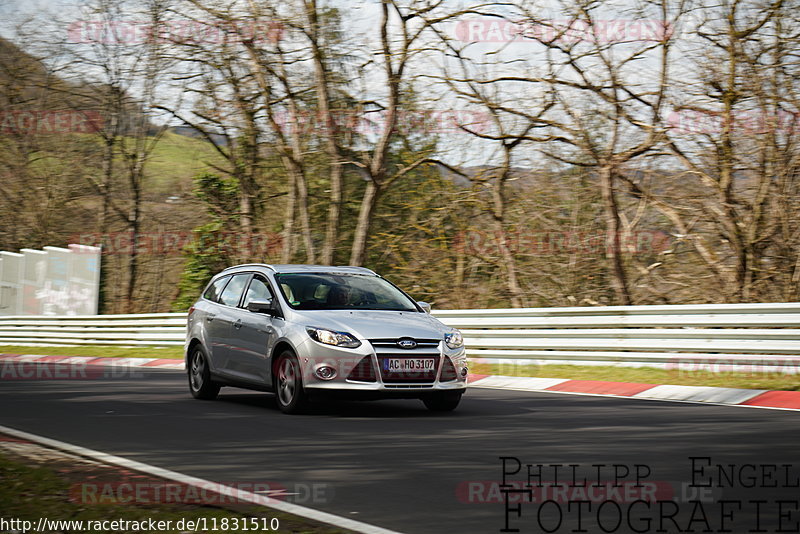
(324, 291)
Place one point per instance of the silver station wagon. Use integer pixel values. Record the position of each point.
(310, 331)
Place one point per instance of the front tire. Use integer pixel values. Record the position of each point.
(288, 384)
(200, 383)
(443, 401)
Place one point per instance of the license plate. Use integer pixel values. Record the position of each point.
(408, 365)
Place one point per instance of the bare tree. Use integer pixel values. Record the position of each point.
(603, 93)
(120, 79)
(733, 132)
(403, 30)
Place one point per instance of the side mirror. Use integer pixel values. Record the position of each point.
(261, 306)
(425, 306)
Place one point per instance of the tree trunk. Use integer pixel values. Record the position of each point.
(619, 280)
(246, 224)
(133, 259)
(509, 265)
(499, 215)
(329, 131)
(305, 220)
(288, 225)
(368, 202)
(334, 215)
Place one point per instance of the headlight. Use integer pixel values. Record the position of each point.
(454, 340)
(331, 337)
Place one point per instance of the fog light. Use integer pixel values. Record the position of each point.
(464, 371)
(325, 372)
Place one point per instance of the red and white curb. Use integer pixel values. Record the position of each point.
(754, 398)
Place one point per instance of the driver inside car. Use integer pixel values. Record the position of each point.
(339, 296)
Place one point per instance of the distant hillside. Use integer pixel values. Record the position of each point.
(188, 131)
(520, 176)
(27, 85)
(175, 161)
(24, 80)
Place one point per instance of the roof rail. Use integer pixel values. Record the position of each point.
(358, 267)
(277, 268)
(270, 267)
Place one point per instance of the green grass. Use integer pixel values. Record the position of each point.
(176, 159)
(32, 491)
(646, 375)
(107, 352)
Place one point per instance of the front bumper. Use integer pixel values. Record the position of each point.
(352, 369)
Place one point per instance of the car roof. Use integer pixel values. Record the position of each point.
(300, 268)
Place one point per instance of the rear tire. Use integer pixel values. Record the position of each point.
(288, 384)
(200, 383)
(443, 401)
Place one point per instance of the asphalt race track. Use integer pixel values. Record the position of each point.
(396, 465)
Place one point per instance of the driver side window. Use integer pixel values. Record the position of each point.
(258, 290)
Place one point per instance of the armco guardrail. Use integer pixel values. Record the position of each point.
(156, 329)
(742, 337)
(761, 337)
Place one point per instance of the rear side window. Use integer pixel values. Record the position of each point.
(214, 290)
(233, 291)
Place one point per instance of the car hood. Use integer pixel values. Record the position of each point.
(373, 324)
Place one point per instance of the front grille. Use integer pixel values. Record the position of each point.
(408, 386)
(364, 371)
(388, 348)
(391, 343)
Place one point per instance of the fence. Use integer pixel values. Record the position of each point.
(162, 329)
(755, 337)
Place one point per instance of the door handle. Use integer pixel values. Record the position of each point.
(210, 317)
(238, 324)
